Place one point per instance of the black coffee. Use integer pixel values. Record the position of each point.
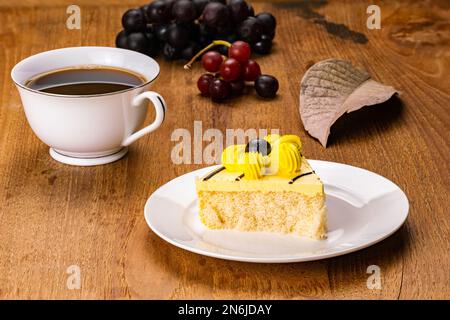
(86, 80)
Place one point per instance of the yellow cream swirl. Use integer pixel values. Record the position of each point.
(286, 156)
(232, 158)
(271, 138)
(284, 160)
(253, 165)
(291, 139)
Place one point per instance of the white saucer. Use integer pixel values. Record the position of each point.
(95, 161)
(363, 209)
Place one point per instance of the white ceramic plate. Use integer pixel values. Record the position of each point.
(363, 209)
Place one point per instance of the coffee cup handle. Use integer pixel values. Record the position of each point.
(160, 108)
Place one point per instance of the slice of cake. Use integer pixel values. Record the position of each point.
(266, 185)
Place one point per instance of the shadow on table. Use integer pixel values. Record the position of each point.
(340, 277)
(368, 122)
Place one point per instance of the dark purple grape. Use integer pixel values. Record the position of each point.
(251, 11)
(223, 31)
(262, 46)
(207, 31)
(133, 20)
(160, 11)
(144, 10)
(184, 11)
(216, 15)
(239, 10)
(153, 43)
(268, 22)
(259, 145)
(190, 51)
(162, 31)
(169, 52)
(200, 5)
(121, 40)
(178, 36)
(266, 86)
(138, 41)
(170, 26)
(237, 87)
(206, 35)
(194, 30)
(219, 90)
(169, 4)
(150, 28)
(268, 36)
(250, 30)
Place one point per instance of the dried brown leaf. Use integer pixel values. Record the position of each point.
(333, 87)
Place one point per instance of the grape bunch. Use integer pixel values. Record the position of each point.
(227, 76)
(178, 28)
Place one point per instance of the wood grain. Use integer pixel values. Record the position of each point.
(53, 216)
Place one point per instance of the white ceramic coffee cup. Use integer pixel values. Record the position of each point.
(94, 129)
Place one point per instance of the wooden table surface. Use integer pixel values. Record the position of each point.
(53, 216)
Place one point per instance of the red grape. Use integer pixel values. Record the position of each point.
(204, 82)
(240, 51)
(230, 70)
(211, 61)
(219, 89)
(251, 70)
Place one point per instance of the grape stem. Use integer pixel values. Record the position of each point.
(212, 44)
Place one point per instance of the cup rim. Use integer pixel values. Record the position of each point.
(18, 64)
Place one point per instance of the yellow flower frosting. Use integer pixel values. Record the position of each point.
(284, 159)
(232, 158)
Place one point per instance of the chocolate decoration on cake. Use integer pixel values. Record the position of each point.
(212, 174)
(301, 175)
(240, 177)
